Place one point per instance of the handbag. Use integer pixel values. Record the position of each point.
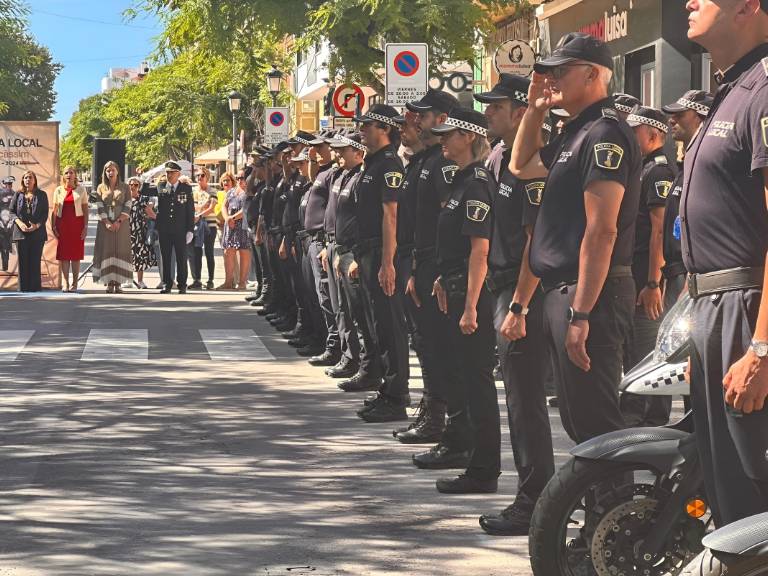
(17, 234)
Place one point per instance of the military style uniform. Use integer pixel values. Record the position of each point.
(724, 225)
(281, 271)
(523, 363)
(176, 217)
(379, 183)
(467, 215)
(595, 146)
(674, 269)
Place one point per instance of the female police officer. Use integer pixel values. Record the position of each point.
(463, 233)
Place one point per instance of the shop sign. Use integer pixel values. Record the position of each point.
(613, 26)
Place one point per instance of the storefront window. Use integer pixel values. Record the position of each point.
(648, 85)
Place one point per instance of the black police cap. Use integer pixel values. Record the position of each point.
(436, 100)
(509, 87)
(697, 100)
(302, 137)
(577, 46)
(464, 119)
(172, 166)
(9, 180)
(650, 117)
(355, 140)
(379, 113)
(625, 102)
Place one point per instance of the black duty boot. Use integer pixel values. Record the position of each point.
(441, 457)
(514, 520)
(419, 418)
(344, 369)
(386, 410)
(327, 358)
(431, 427)
(464, 484)
(360, 383)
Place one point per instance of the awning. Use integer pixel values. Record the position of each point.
(213, 156)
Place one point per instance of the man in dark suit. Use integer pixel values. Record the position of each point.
(175, 223)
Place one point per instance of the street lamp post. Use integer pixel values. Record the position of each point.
(274, 77)
(235, 99)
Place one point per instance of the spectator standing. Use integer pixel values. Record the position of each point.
(142, 249)
(69, 223)
(112, 250)
(30, 209)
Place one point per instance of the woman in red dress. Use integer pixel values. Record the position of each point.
(69, 221)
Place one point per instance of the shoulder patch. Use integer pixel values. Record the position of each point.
(764, 128)
(481, 174)
(765, 65)
(608, 155)
(662, 188)
(610, 113)
(662, 160)
(449, 172)
(534, 191)
(393, 179)
(477, 211)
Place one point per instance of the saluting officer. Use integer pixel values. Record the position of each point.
(376, 196)
(175, 224)
(686, 117)
(463, 235)
(584, 235)
(518, 299)
(725, 242)
(650, 127)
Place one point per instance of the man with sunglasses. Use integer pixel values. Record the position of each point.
(583, 238)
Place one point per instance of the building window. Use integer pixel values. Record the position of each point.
(648, 85)
(706, 72)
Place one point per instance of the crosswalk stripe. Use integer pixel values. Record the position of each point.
(12, 342)
(240, 345)
(125, 345)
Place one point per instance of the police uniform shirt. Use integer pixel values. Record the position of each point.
(595, 146)
(433, 189)
(347, 221)
(515, 206)
(176, 207)
(406, 205)
(291, 222)
(280, 201)
(466, 214)
(672, 232)
(267, 201)
(329, 220)
(723, 214)
(656, 182)
(315, 200)
(380, 182)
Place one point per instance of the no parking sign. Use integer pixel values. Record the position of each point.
(275, 125)
(407, 73)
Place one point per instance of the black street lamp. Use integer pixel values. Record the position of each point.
(235, 99)
(274, 77)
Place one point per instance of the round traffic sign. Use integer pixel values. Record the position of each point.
(276, 119)
(407, 63)
(345, 99)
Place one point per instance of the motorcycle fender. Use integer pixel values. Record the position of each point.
(661, 448)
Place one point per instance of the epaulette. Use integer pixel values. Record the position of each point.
(481, 174)
(610, 113)
(662, 160)
(389, 154)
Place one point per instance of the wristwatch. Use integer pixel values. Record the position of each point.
(652, 285)
(760, 348)
(518, 309)
(574, 316)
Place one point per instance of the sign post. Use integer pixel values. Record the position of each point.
(407, 73)
(346, 99)
(275, 125)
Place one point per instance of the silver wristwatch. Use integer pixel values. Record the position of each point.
(760, 348)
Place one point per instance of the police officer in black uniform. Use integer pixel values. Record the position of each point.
(269, 298)
(523, 359)
(376, 195)
(625, 104)
(650, 127)
(463, 236)
(175, 223)
(724, 223)
(685, 118)
(583, 240)
(363, 346)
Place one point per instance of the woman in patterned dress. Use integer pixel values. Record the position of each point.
(112, 250)
(143, 254)
(235, 239)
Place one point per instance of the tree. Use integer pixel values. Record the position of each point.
(87, 122)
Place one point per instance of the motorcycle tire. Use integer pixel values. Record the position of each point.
(706, 564)
(569, 483)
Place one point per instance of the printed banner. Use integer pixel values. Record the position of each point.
(28, 146)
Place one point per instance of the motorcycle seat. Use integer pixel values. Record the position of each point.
(746, 537)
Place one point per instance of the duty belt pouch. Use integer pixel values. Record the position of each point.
(455, 285)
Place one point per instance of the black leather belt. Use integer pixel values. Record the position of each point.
(330, 237)
(613, 272)
(341, 249)
(500, 279)
(673, 269)
(724, 281)
(424, 254)
(317, 235)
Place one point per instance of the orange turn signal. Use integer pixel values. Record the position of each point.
(696, 508)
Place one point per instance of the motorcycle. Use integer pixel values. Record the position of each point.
(630, 502)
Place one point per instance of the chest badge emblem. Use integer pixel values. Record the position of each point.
(448, 173)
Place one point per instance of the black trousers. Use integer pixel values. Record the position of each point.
(348, 340)
(588, 401)
(524, 365)
(283, 290)
(319, 326)
(30, 254)
(260, 250)
(477, 390)
(296, 280)
(196, 254)
(321, 281)
(370, 358)
(177, 241)
(732, 445)
(386, 321)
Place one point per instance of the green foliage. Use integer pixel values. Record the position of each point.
(88, 122)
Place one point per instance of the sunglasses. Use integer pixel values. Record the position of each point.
(132, 184)
(559, 72)
(241, 177)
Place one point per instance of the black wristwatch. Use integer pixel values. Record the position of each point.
(518, 309)
(652, 285)
(574, 316)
